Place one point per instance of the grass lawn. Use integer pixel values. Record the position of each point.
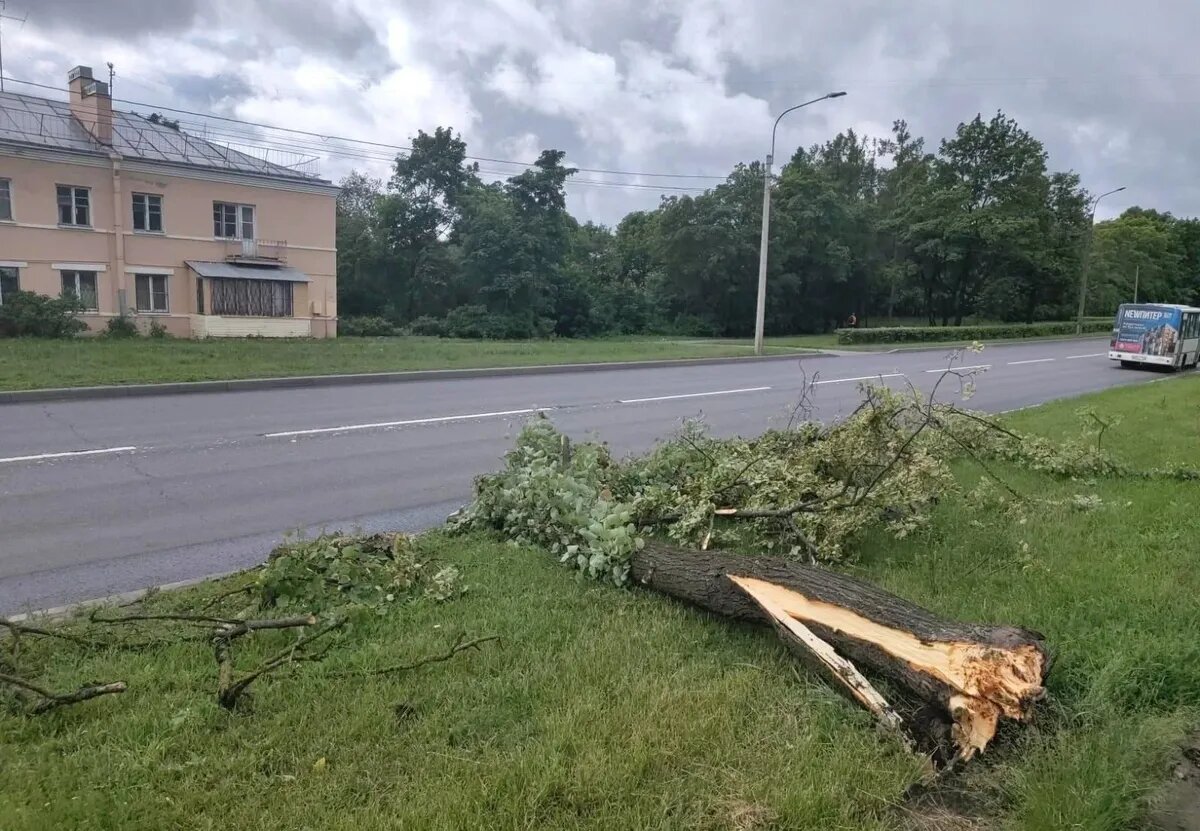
(614, 709)
(36, 364)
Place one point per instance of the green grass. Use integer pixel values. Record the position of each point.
(37, 364)
(611, 709)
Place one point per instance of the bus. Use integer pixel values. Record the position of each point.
(1156, 334)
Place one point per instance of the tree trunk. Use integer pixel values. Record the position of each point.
(957, 678)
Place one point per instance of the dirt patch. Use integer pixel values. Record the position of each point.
(945, 805)
(1177, 806)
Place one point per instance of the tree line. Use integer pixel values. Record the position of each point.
(881, 228)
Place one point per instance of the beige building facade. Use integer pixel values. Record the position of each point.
(136, 217)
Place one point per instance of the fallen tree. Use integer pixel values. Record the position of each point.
(957, 679)
(799, 496)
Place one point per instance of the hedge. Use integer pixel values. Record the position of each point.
(935, 334)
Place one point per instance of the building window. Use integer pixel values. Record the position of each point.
(152, 293)
(147, 212)
(74, 206)
(233, 221)
(10, 283)
(81, 284)
(199, 295)
(251, 298)
(5, 199)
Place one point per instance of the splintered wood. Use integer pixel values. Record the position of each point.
(956, 679)
(990, 682)
(801, 639)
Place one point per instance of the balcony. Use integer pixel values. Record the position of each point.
(265, 251)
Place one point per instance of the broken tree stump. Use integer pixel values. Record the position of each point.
(960, 678)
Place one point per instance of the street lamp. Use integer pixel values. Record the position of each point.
(1087, 256)
(761, 309)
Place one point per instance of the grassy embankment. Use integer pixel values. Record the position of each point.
(612, 709)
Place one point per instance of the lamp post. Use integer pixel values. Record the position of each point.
(760, 314)
(1087, 257)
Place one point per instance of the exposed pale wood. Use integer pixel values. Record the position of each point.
(800, 639)
(962, 676)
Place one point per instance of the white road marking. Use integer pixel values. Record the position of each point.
(1034, 361)
(860, 378)
(689, 395)
(960, 368)
(1093, 355)
(68, 455)
(347, 428)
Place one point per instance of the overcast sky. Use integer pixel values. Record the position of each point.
(660, 86)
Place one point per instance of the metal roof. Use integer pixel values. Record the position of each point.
(233, 271)
(42, 122)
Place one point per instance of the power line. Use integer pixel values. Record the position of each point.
(391, 147)
(236, 139)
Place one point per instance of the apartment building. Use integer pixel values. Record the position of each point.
(135, 216)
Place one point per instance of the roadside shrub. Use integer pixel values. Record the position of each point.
(26, 314)
(477, 322)
(427, 326)
(935, 334)
(366, 327)
(158, 331)
(121, 327)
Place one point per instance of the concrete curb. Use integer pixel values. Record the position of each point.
(72, 609)
(302, 381)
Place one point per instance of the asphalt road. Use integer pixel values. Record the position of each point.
(179, 487)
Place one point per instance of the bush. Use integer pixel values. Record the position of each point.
(158, 331)
(477, 322)
(121, 327)
(427, 326)
(366, 327)
(935, 334)
(26, 314)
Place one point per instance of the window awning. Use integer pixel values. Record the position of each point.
(233, 271)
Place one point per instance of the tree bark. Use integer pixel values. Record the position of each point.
(959, 678)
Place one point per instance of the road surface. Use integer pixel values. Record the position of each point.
(99, 497)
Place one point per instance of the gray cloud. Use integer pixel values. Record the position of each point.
(131, 17)
(212, 93)
(334, 28)
(691, 85)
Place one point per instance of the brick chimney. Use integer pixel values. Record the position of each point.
(91, 103)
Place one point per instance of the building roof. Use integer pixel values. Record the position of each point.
(42, 122)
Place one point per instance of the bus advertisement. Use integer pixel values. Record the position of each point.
(1152, 333)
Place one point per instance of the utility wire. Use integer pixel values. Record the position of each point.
(390, 147)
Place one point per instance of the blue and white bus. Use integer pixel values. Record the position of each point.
(1156, 334)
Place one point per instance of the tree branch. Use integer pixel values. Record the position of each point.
(458, 646)
(51, 700)
(228, 690)
(19, 629)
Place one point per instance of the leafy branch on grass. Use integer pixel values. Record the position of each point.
(52, 700)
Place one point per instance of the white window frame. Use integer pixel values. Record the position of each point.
(244, 218)
(77, 279)
(146, 204)
(6, 200)
(16, 276)
(166, 293)
(86, 206)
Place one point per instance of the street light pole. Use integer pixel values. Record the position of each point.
(760, 312)
(1087, 257)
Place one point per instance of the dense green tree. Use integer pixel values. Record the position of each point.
(881, 228)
